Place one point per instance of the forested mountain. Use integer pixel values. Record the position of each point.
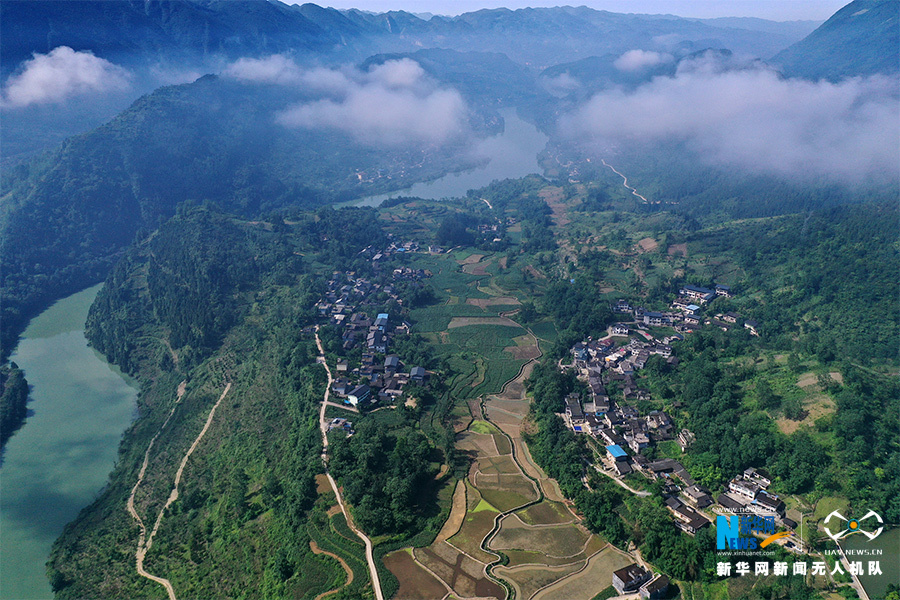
(580, 79)
(860, 39)
(134, 33)
(488, 79)
(66, 215)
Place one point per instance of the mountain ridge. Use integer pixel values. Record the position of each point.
(862, 38)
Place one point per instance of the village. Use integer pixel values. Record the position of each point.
(349, 303)
(369, 376)
(607, 366)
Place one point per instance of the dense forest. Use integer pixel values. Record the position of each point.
(68, 214)
(13, 399)
(388, 476)
(827, 275)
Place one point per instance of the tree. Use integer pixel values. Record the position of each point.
(765, 396)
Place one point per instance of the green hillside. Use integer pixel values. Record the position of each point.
(860, 39)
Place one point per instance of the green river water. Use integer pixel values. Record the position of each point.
(60, 459)
(885, 549)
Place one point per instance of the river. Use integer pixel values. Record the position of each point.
(512, 154)
(60, 459)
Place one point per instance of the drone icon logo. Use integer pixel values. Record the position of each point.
(852, 526)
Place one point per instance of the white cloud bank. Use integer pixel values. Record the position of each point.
(392, 104)
(61, 74)
(639, 60)
(755, 120)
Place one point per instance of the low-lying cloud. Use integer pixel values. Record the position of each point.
(272, 69)
(639, 60)
(61, 74)
(393, 103)
(756, 120)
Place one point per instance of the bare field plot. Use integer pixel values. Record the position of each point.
(585, 584)
(531, 468)
(509, 402)
(471, 259)
(507, 491)
(444, 570)
(546, 513)
(530, 557)
(515, 406)
(480, 443)
(457, 574)
(484, 303)
(523, 352)
(507, 500)
(528, 580)
(497, 465)
(457, 513)
(479, 268)
(415, 582)
(502, 443)
(560, 540)
(474, 528)
(648, 244)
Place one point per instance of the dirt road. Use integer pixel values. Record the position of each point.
(323, 428)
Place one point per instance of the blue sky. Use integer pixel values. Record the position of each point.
(776, 10)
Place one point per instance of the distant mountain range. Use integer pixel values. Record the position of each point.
(134, 32)
(863, 38)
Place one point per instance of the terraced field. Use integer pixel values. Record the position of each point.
(506, 504)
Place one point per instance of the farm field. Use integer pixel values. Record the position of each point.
(415, 582)
(584, 584)
(330, 534)
(506, 503)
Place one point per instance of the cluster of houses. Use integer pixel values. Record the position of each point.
(621, 429)
(685, 314)
(592, 357)
(748, 492)
(375, 382)
(346, 294)
(635, 578)
(343, 304)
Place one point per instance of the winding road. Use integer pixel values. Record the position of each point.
(323, 428)
(633, 191)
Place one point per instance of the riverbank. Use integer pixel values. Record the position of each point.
(510, 155)
(61, 458)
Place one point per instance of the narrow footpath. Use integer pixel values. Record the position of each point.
(323, 428)
(144, 546)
